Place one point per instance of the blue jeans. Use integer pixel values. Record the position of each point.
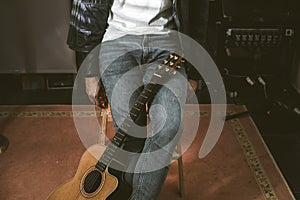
(126, 65)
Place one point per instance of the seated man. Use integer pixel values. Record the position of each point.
(140, 35)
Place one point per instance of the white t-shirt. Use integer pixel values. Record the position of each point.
(138, 17)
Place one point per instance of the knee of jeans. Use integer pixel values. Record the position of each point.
(164, 119)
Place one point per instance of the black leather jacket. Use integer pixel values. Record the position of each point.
(88, 22)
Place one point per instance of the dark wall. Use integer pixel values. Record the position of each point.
(33, 37)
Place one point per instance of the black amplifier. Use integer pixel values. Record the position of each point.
(257, 12)
(256, 37)
(248, 27)
(254, 44)
(256, 23)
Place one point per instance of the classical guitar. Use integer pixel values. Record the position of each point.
(97, 179)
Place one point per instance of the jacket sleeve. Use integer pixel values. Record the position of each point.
(88, 22)
(87, 26)
(91, 63)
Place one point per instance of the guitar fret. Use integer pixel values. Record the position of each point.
(144, 96)
(119, 138)
(115, 141)
(157, 75)
(145, 91)
(112, 147)
(101, 166)
(136, 108)
(143, 99)
(125, 129)
(102, 169)
(105, 160)
(148, 90)
(128, 121)
(110, 153)
(133, 114)
(141, 103)
(121, 134)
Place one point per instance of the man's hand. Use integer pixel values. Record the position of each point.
(92, 89)
(96, 92)
(193, 85)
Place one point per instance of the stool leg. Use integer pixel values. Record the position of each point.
(3, 143)
(102, 138)
(180, 170)
(181, 180)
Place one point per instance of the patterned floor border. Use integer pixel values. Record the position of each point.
(253, 161)
(29, 114)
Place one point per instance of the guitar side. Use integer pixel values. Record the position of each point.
(114, 186)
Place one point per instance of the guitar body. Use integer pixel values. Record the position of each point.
(111, 185)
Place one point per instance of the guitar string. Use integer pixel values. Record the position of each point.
(96, 176)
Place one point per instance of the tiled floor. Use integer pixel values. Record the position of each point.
(280, 129)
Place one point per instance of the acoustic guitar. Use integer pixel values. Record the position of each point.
(95, 178)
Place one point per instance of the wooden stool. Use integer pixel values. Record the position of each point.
(104, 114)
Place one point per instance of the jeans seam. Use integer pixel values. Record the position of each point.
(143, 161)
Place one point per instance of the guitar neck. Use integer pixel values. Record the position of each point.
(162, 74)
(146, 95)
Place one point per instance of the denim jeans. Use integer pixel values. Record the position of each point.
(126, 65)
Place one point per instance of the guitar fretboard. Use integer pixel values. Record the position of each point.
(148, 93)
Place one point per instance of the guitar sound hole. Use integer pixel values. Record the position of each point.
(92, 181)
